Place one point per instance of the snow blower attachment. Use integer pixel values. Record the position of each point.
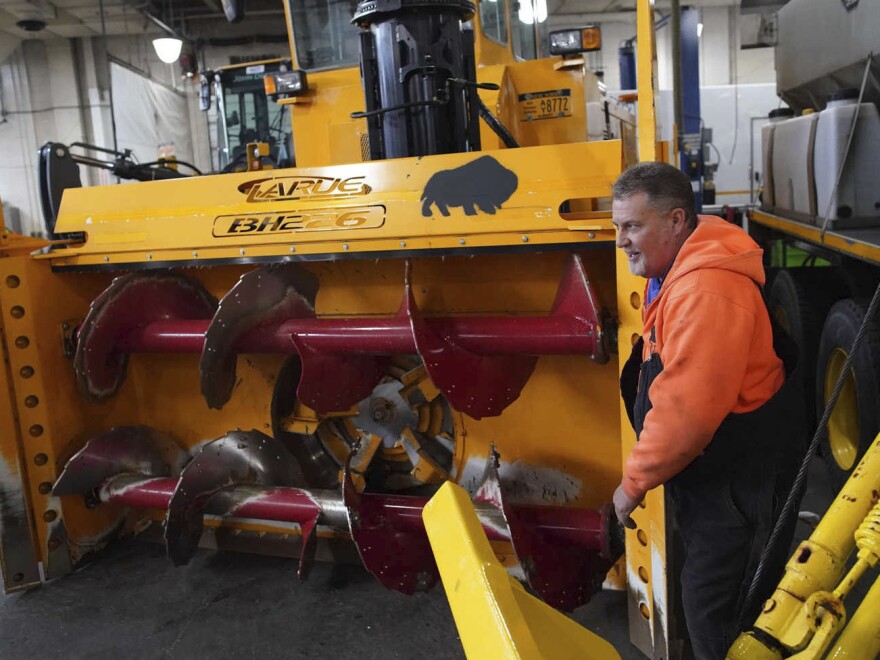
(390, 384)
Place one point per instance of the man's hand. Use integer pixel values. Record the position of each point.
(624, 505)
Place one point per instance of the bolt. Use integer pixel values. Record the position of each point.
(195, 254)
(402, 243)
(292, 248)
(36, 431)
(49, 515)
(150, 257)
(12, 281)
(22, 342)
(41, 459)
(17, 312)
(26, 371)
(106, 258)
(591, 234)
(461, 241)
(45, 488)
(54, 543)
(345, 246)
(525, 239)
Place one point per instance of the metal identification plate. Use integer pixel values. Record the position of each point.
(552, 104)
(286, 222)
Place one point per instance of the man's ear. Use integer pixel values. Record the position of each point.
(679, 220)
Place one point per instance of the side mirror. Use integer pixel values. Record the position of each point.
(57, 172)
(204, 92)
(234, 10)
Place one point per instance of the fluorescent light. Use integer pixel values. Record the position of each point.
(541, 11)
(526, 12)
(531, 11)
(168, 49)
(699, 30)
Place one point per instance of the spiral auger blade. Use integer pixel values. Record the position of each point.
(131, 301)
(563, 574)
(269, 294)
(235, 459)
(136, 450)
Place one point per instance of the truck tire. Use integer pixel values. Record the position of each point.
(795, 310)
(855, 420)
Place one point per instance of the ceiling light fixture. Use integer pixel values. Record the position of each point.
(532, 11)
(168, 49)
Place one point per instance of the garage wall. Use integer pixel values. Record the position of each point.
(148, 116)
(41, 102)
(60, 91)
(722, 61)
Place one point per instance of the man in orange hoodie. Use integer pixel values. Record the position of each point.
(708, 397)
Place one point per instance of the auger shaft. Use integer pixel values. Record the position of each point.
(524, 335)
(583, 527)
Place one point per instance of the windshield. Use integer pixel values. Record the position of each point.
(248, 115)
(323, 33)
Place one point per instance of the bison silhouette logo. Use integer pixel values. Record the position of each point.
(483, 183)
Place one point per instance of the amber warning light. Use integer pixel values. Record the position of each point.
(283, 84)
(580, 40)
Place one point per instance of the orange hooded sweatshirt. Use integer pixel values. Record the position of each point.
(715, 342)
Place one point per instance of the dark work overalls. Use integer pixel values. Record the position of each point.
(727, 499)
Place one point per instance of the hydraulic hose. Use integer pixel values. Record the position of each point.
(499, 128)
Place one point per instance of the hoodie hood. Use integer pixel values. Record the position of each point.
(714, 244)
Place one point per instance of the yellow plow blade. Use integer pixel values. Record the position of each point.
(495, 616)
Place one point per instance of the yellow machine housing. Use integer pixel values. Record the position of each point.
(371, 234)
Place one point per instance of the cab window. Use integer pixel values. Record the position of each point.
(493, 20)
(324, 35)
(522, 32)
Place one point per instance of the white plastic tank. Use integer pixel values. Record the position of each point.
(857, 200)
(792, 167)
(779, 114)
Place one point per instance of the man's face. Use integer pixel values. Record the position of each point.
(650, 239)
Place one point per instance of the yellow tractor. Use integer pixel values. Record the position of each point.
(300, 358)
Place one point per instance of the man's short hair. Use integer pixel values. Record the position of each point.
(665, 186)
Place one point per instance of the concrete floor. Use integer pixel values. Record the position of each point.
(132, 603)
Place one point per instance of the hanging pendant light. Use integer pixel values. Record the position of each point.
(168, 48)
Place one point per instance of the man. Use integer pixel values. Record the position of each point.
(708, 397)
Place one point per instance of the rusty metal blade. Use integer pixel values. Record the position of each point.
(564, 575)
(272, 293)
(131, 301)
(575, 298)
(332, 383)
(237, 458)
(479, 385)
(121, 450)
(401, 559)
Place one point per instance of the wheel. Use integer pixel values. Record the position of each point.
(799, 299)
(855, 420)
(791, 306)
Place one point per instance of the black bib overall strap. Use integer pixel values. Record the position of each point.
(727, 499)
